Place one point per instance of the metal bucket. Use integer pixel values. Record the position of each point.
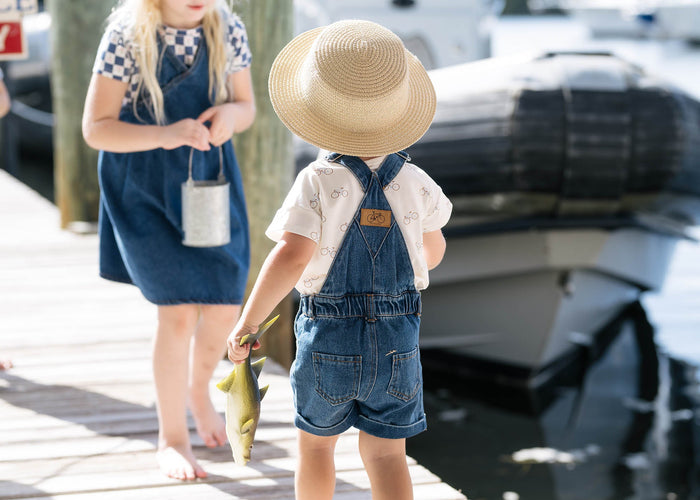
(206, 217)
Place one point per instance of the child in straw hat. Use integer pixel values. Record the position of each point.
(356, 235)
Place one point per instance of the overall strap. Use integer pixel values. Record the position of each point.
(385, 173)
(390, 167)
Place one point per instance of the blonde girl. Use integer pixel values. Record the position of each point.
(172, 77)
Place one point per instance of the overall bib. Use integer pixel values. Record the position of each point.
(140, 223)
(357, 361)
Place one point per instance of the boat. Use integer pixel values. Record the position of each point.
(609, 18)
(680, 19)
(573, 176)
(661, 19)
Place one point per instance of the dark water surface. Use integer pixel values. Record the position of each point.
(596, 441)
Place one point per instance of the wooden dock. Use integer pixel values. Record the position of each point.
(77, 414)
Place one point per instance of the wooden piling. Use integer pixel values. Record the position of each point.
(265, 153)
(76, 29)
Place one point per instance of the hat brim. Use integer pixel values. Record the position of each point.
(288, 102)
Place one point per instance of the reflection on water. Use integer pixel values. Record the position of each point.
(598, 441)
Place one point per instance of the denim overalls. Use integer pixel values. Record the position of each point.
(357, 361)
(140, 210)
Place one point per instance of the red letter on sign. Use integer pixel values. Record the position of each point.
(12, 44)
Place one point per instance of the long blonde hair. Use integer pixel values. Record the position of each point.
(141, 20)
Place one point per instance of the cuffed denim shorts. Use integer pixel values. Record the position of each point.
(350, 372)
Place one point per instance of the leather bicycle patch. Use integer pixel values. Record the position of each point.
(375, 217)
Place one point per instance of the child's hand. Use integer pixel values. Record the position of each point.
(222, 121)
(186, 132)
(237, 353)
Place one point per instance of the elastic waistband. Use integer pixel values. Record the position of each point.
(368, 306)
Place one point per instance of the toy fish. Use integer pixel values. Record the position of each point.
(243, 400)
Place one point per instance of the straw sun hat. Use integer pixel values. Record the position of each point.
(352, 88)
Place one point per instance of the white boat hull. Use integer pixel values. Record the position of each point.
(526, 299)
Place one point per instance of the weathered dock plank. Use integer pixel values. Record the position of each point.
(77, 413)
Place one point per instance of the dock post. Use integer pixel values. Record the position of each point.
(76, 29)
(265, 154)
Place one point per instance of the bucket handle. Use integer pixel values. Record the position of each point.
(222, 177)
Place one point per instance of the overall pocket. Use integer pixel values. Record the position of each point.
(406, 375)
(337, 377)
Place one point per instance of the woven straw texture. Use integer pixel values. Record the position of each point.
(352, 88)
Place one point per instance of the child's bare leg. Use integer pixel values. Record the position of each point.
(385, 462)
(5, 364)
(208, 348)
(170, 372)
(315, 475)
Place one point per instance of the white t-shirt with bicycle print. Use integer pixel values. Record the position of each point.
(325, 198)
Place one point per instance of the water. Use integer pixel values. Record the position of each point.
(593, 442)
(630, 430)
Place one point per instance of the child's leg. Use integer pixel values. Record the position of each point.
(315, 475)
(170, 372)
(385, 462)
(208, 348)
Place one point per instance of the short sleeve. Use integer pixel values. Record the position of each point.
(438, 210)
(2, 76)
(239, 56)
(300, 212)
(114, 58)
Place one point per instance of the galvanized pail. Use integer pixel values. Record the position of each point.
(206, 210)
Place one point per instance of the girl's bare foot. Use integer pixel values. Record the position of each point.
(211, 427)
(179, 462)
(5, 364)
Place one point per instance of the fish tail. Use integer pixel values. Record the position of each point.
(252, 337)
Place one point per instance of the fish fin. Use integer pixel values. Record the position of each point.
(226, 383)
(263, 391)
(245, 428)
(258, 366)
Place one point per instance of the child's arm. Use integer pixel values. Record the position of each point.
(433, 248)
(280, 272)
(4, 99)
(233, 116)
(102, 128)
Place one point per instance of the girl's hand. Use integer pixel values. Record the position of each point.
(222, 122)
(187, 132)
(237, 353)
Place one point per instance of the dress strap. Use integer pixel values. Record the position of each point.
(390, 167)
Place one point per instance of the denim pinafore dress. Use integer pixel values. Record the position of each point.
(140, 221)
(358, 362)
